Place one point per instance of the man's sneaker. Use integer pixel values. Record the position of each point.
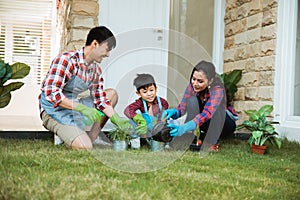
(57, 140)
(100, 141)
(135, 143)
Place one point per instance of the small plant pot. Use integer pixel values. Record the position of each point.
(259, 149)
(120, 145)
(156, 146)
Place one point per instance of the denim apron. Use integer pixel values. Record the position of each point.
(150, 120)
(71, 90)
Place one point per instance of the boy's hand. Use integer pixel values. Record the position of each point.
(141, 124)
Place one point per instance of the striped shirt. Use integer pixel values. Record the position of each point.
(213, 97)
(70, 64)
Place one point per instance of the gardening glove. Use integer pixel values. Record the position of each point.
(177, 130)
(170, 113)
(141, 128)
(121, 123)
(92, 114)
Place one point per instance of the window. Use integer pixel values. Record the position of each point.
(27, 35)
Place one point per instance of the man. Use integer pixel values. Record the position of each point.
(72, 73)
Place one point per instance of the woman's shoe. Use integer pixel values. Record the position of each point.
(214, 147)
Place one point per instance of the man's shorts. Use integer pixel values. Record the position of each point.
(66, 132)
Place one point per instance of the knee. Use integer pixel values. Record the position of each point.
(82, 142)
(112, 95)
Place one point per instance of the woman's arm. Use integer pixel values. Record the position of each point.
(216, 95)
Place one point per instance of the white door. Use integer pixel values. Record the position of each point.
(140, 27)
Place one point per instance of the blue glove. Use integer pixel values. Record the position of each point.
(180, 130)
(170, 113)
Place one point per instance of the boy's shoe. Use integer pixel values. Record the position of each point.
(214, 147)
(135, 143)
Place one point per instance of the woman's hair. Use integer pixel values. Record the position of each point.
(209, 70)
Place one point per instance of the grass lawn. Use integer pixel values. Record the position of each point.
(39, 170)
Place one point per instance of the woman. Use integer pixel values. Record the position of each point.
(204, 102)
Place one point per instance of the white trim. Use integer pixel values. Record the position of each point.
(285, 68)
(218, 34)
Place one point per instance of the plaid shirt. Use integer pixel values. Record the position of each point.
(213, 97)
(68, 65)
(130, 110)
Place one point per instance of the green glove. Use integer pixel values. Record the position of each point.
(92, 114)
(121, 123)
(141, 128)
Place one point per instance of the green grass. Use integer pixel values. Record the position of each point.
(39, 170)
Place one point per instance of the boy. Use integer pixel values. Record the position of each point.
(146, 110)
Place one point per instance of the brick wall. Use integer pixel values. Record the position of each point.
(74, 19)
(250, 40)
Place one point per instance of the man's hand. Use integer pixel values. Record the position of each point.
(121, 123)
(92, 114)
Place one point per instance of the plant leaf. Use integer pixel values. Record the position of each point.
(12, 86)
(257, 137)
(19, 70)
(5, 99)
(7, 75)
(253, 114)
(265, 110)
(234, 76)
(269, 128)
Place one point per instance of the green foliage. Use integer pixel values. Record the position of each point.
(118, 134)
(16, 71)
(230, 81)
(36, 169)
(262, 130)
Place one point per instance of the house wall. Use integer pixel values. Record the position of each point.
(250, 40)
(74, 19)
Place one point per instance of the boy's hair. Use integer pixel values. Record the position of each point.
(143, 81)
(101, 34)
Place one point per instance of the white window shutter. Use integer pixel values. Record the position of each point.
(27, 35)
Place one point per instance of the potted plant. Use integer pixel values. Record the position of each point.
(120, 139)
(262, 129)
(16, 71)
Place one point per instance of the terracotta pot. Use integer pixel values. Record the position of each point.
(259, 149)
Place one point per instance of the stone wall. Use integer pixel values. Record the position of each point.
(250, 40)
(74, 19)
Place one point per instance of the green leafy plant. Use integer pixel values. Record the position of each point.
(16, 71)
(230, 81)
(118, 134)
(262, 129)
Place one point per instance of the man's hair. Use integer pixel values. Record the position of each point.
(143, 81)
(101, 34)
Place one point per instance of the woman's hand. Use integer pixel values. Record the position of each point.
(180, 130)
(170, 113)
